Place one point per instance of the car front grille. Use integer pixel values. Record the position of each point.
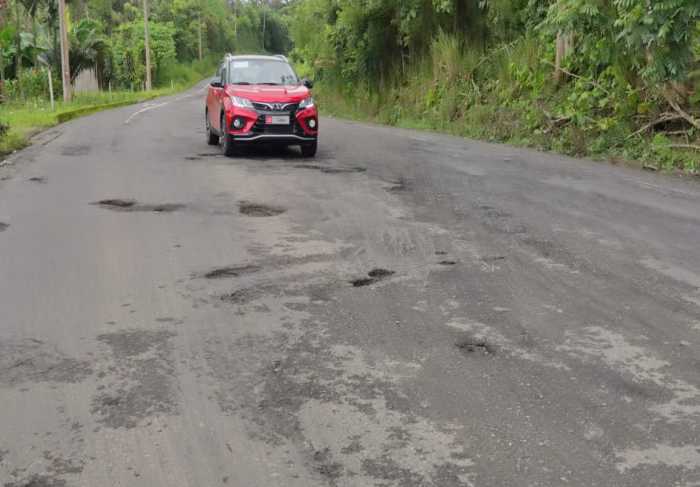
(293, 128)
(275, 107)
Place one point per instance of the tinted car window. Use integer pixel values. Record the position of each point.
(262, 71)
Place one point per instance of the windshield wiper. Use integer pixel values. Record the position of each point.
(269, 84)
(241, 83)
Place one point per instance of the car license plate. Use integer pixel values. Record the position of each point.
(277, 120)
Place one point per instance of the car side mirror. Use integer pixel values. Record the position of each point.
(308, 83)
(216, 84)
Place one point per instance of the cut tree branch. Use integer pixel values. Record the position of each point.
(685, 115)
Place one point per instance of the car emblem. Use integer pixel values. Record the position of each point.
(278, 107)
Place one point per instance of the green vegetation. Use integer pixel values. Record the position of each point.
(627, 86)
(187, 40)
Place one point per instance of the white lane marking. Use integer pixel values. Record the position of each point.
(144, 109)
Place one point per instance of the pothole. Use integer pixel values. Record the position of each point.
(233, 271)
(375, 275)
(493, 258)
(331, 170)
(447, 262)
(343, 170)
(364, 281)
(116, 203)
(242, 296)
(380, 273)
(132, 205)
(4, 226)
(37, 179)
(259, 210)
(399, 185)
(476, 345)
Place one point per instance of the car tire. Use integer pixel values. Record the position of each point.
(227, 142)
(309, 150)
(212, 138)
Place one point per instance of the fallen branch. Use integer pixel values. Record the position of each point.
(684, 146)
(666, 117)
(587, 80)
(683, 114)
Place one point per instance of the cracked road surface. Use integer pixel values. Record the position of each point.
(408, 309)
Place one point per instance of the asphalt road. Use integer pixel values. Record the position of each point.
(531, 320)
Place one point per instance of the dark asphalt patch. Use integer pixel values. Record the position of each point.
(128, 205)
(4, 226)
(234, 271)
(38, 481)
(375, 275)
(440, 252)
(34, 361)
(474, 345)
(139, 381)
(76, 150)
(37, 179)
(448, 262)
(259, 210)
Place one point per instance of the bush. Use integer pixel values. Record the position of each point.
(34, 83)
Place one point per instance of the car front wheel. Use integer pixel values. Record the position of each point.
(227, 142)
(309, 150)
(212, 138)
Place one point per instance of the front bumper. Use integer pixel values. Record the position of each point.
(280, 138)
(255, 128)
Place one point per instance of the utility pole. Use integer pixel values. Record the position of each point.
(199, 28)
(148, 47)
(65, 65)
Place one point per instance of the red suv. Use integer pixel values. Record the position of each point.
(257, 99)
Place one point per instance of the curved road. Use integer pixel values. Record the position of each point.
(408, 309)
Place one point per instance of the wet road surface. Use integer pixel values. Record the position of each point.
(407, 309)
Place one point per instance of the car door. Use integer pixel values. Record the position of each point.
(219, 95)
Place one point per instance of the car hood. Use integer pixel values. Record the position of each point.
(266, 93)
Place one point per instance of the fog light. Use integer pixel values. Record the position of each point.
(238, 123)
(312, 123)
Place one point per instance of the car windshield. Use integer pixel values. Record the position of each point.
(262, 72)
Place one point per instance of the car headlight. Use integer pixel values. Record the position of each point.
(306, 103)
(241, 102)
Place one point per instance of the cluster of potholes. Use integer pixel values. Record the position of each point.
(246, 208)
